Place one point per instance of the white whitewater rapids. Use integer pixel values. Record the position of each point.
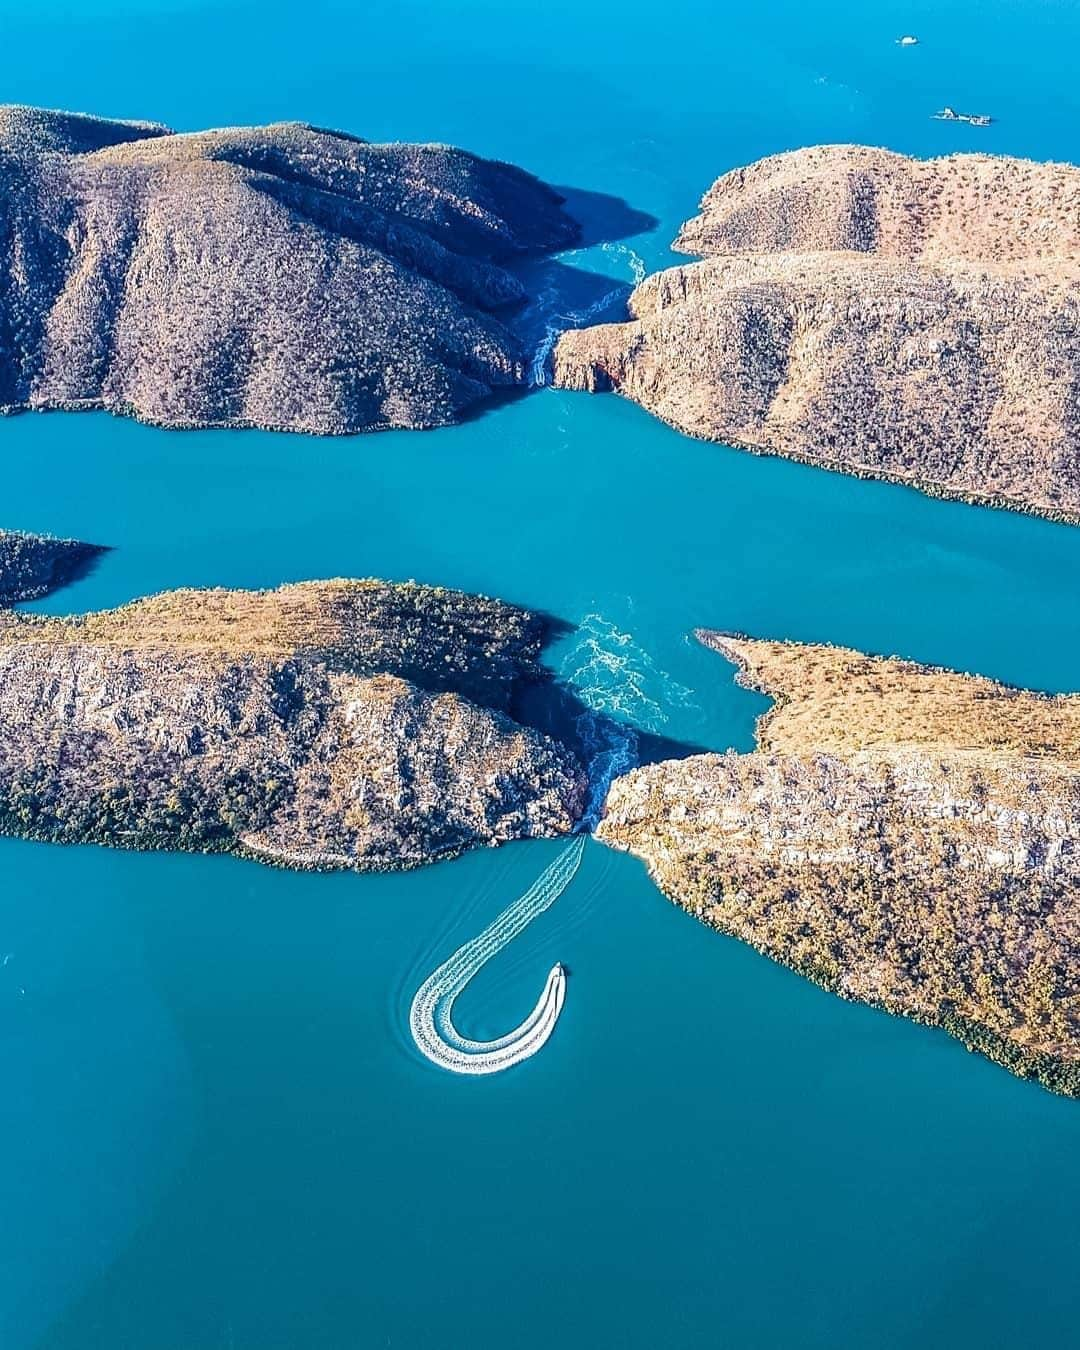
(431, 1014)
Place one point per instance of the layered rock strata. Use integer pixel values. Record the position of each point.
(336, 724)
(891, 318)
(903, 835)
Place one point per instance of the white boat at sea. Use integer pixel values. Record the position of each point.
(948, 114)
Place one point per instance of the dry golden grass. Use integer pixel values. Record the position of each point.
(839, 701)
(339, 723)
(433, 636)
(306, 616)
(904, 835)
(891, 318)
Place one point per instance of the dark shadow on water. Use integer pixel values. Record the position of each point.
(605, 219)
(556, 710)
(560, 295)
(78, 566)
(652, 749)
(70, 564)
(490, 403)
(563, 296)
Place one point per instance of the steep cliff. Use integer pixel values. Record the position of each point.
(906, 836)
(336, 724)
(282, 276)
(874, 314)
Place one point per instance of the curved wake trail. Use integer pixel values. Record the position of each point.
(431, 1014)
(614, 678)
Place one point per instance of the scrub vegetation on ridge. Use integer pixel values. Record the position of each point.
(906, 836)
(916, 321)
(337, 724)
(283, 276)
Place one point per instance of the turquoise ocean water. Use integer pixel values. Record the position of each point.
(214, 1131)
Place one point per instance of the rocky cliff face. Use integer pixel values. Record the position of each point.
(905, 836)
(342, 724)
(282, 276)
(918, 322)
(32, 565)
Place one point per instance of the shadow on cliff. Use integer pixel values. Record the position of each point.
(554, 708)
(534, 696)
(561, 297)
(63, 564)
(556, 293)
(563, 294)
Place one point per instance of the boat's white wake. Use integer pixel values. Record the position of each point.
(431, 1014)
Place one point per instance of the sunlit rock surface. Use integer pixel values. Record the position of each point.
(884, 316)
(905, 836)
(328, 724)
(282, 276)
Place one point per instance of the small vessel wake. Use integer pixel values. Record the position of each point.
(612, 677)
(431, 1014)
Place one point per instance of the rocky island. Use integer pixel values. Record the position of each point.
(340, 724)
(283, 276)
(906, 836)
(916, 321)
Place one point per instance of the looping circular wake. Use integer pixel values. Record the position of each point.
(430, 1017)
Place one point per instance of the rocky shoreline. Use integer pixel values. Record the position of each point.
(342, 724)
(848, 315)
(281, 277)
(905, 836)
(34, 565)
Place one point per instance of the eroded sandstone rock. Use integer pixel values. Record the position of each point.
(858, 310)
(339, 724)
(905, 836)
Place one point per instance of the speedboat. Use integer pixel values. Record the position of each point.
(948, 114)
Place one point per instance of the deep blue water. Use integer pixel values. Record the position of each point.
(213, 1130)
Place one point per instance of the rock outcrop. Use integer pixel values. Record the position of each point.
(859, 310)
(333, 725)
(856, 198)
(282, 276)
(906, 836)
(32, 565)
